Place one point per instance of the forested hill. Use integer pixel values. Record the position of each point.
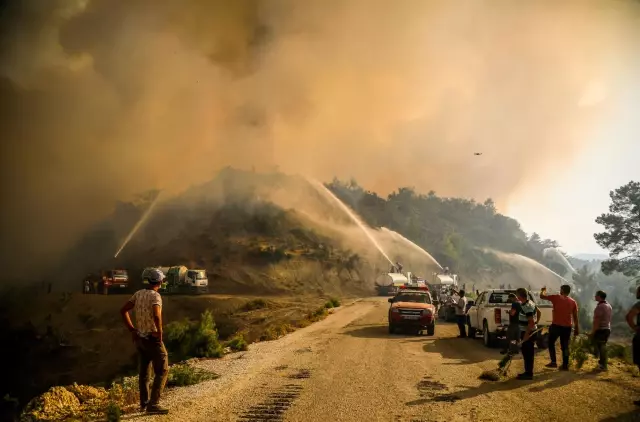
(453, 230)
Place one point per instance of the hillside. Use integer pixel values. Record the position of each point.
(273, 234)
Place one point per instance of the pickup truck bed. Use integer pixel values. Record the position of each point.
(489, 315)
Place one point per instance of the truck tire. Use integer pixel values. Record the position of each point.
(392, 329)
(431, 329)
(488, 338)
(472, 331)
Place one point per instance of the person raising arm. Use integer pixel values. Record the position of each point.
(565, 315)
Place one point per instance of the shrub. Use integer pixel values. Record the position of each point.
(332, 303)
(254, 304)
(189, 339)
(579, 350)
(113, 412)
(318, 315)
(125, 392)
(619, 351)
(238, 343)
(276, 331)
(184, 374)
(56, 404)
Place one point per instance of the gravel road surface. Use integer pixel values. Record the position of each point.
(348, 368)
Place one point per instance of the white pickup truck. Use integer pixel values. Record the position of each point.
(490, 315)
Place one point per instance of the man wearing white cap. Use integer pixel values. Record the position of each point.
(147, 305)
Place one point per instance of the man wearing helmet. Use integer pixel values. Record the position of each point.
(147, 337)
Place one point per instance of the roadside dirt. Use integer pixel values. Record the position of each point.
(68, 338)
(348, 368)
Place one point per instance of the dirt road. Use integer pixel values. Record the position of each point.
(348, 368)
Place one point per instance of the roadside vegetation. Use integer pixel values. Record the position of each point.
(582, 350)
(185, 340)
(84, 402)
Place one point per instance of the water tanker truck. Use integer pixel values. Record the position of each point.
(180, 279)
(442, 286)
(389, 284)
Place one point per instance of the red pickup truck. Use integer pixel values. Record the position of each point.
(412, 309)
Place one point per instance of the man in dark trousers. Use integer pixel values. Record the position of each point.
(565, 315)
(633, 319)
(147, 305)
(461, 314)
(528, 328)
(513, 331)
(601, 327)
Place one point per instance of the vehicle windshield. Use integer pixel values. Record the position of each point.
(197, 275)
(501, 297)
(413, 297)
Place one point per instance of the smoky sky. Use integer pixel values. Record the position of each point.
(102, 99)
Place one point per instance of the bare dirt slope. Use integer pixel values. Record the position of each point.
(347, 368)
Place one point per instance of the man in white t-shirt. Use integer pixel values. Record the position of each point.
(147, 305)
(461, 313)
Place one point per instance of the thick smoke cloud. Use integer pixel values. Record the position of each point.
(101, 99)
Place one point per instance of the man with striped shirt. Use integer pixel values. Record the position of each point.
(528, 328)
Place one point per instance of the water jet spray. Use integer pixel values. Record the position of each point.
(326, 192)
(398, 236)
(139, 224)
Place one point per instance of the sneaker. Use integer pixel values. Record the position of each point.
(602, 368)
(524, 376)
(143, 406)
(157, 410)
(564, 368)
(551, 365)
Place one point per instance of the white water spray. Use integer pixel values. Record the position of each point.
(518, 259)
(557, 256)
(401, 238)
(139, 224)
(326, 192)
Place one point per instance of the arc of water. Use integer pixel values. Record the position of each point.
(397, 236)
(139, 224)
(328, 194)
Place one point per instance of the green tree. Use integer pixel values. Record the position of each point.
(621, 235)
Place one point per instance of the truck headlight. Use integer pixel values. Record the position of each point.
(426, 312)
(395, 310)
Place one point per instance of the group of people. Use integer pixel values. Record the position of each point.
(523, 318)
(524, 315)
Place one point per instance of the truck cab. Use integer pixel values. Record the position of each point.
(489, 315)
(412, 309)
(117, 279)
(198, 280)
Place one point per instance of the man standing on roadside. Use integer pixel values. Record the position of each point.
(601, 327)
(461, 314)
(147, 305)
(528, 329)
(633, 319)
(565, 315)
(513, 331)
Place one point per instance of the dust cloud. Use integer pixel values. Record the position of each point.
(102, 99)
